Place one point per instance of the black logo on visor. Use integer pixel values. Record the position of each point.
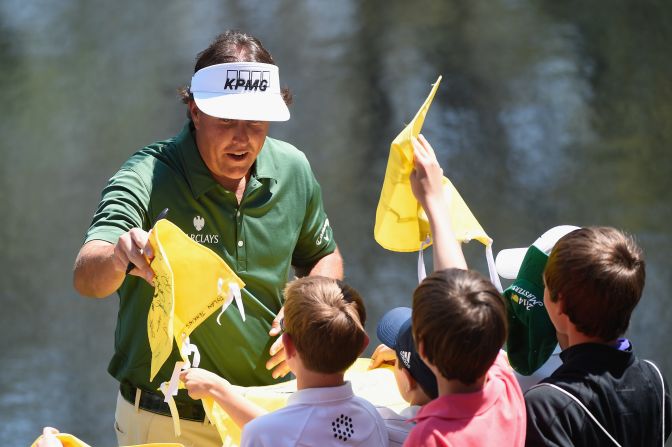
(247, 80)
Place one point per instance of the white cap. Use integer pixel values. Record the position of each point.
(508, 261)
(240, 91)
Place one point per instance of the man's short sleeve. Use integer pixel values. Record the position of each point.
(316, 238)
(123, 205)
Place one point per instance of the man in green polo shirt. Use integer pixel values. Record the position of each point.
(250, 198)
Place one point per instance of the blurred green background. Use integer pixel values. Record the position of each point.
(550, 112)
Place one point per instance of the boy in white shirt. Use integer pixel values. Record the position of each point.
(323, 336)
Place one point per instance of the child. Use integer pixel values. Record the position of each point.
(602, 394)
(459, 326)
(323, 336)
(416, 382)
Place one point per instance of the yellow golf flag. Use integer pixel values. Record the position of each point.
(377, 386)
(190, 283)
(68, 440)
(401, 224)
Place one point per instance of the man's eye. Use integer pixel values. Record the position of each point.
(255, 123)
(226, 122)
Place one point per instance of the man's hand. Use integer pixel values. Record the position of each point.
(278, 361)
(133, 247)
(382, 355)
(200, 382)
(100, 267)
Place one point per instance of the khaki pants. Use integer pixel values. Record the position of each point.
(140, 427)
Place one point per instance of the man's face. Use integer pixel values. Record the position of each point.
(228, 147)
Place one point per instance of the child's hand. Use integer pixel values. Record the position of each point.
(426, 177)
(382, 355)
(200, 382)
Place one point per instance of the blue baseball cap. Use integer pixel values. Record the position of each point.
(395, 331)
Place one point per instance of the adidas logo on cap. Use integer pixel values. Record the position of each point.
(406, 358)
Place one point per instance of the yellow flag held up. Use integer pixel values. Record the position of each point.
(190, 283)
(401, 224)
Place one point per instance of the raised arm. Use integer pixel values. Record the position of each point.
(427, 186)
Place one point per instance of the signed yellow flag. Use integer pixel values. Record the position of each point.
(377, 386)
(401, 224)
(190, 283)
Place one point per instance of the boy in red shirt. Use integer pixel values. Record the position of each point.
(459, 325)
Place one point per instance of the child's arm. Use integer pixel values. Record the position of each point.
(428, 190)
(202, 383)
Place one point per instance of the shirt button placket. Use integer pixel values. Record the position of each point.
(241, 250)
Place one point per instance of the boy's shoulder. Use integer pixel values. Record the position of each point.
(499, 404)
(320, 416)
(596, 376)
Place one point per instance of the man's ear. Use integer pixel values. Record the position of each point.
(288, 343)
(365, 343)
(194, 111)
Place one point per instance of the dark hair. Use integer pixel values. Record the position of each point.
(598, 273)
(325, 319)
(460, 319)
(233, 46)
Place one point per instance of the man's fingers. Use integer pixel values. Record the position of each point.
(275, 359)
(281, 370)
(276, 346)
(275, 326)
(278, 364)
(139, 251)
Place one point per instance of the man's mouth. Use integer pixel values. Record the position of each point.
(237, 156)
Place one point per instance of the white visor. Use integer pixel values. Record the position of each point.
(240, 91)
(508, 261)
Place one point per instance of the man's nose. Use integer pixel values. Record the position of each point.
(240, 132)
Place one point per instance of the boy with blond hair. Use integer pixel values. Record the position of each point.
(323, 336)
(602, 394)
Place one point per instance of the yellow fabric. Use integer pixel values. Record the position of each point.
(71, 441)
(188, 289)
(401, 224)
(377, 386)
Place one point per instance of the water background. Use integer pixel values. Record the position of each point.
(549, 113)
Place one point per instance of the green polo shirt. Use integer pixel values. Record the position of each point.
(280, 222)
